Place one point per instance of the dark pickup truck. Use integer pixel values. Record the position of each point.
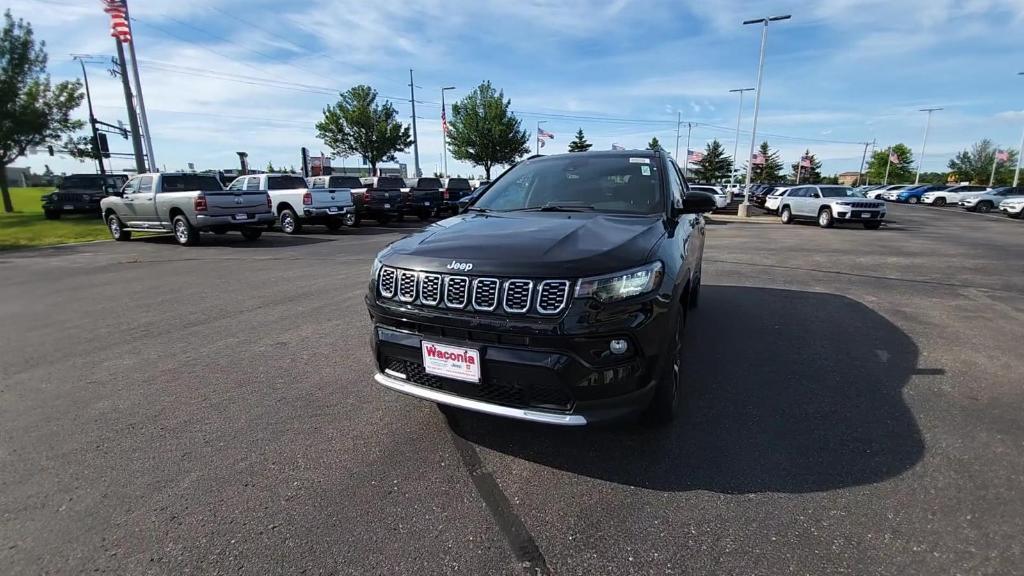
(424, 199)
(81, 194)
(385, 199)
(559, 296)
(454, 190)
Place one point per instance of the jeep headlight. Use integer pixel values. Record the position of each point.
(621, 285)
(845, 203)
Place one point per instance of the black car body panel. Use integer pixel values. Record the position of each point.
(81, 194)
(384, 199)
(463, 282)
(424, 197)
(453, 191)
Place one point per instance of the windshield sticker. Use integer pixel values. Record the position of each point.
(645, 170)
(639, 160)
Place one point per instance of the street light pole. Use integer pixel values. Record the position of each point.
(745, 207)
(686, 162)
(927, 126)
(736, 145)
(415, 139)
(444, 128)
(92, 117)
(1020, 153)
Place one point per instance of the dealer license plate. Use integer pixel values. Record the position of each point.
(865, 214)
(426, 203)
(241, 216)
(332, 209)
(453, 362)
(69, 207)
(387, 205)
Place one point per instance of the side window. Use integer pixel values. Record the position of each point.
(252, 183)
(145, 185)
(675, 183)
(812, 192)
(237, 184)
(131, 187)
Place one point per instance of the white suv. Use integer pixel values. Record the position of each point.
(829, 205)
(953, 195)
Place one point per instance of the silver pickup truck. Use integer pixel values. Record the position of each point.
(185, 204)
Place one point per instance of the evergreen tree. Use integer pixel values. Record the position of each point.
(899, 172)
(580, 144)
(715, 166)
(771, 170)
(811, 175)
(654, 144)
(270, 168)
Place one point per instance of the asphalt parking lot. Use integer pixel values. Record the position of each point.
(855, 407)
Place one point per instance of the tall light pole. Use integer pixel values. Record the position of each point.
(1020, 153)
(927, 126)
(415, 139)
(745, 207)
(92, 118)
(444, 128)
(736, 146)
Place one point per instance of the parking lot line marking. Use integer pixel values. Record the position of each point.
(518, 536)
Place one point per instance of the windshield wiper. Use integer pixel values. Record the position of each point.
(559, 208)
(475, 209)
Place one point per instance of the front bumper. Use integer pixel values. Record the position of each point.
(207, 221)
(72, 207)
(1012, 210)
(858, 215)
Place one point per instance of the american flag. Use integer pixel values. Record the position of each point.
(694, 156)
(805, 162)
(618, 147)
(542, 133)
(444, 122)
(757, 158)
(894, 157)
(1002, 156)
(119, 27)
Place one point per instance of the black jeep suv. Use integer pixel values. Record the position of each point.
(81, 194)
(558, 296)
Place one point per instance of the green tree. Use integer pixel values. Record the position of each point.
(975, 165)
(47, 171)
(358, 125)
(270, 168)
(579, 144)
(654, 144)
(935, 177)
(715, 166)
(32, 112)
(771, 170)
(810, 175)
(484, 132)
(901, 171)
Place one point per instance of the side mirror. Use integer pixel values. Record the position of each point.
(695, 203)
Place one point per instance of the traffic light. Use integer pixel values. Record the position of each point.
(104, 148)
(49, 148)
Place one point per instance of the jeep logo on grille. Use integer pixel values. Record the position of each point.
(463, 266)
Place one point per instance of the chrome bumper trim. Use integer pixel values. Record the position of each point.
(477, 405)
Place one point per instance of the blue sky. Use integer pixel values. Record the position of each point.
(220, 76)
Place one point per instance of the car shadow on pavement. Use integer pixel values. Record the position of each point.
(789, 391)
(235, 240)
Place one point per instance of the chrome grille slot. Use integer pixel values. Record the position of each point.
(387, 282)
(407, 286)
(456, 291)
(485, 294)
(430, 289)
(552, 296)
(517, 296)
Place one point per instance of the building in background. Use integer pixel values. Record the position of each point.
(848, 178)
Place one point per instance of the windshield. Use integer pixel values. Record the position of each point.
(390, 183)
(425, 183)
(190, 182)
(345, 182)
(616, 184)
(285, 182)
(836, 192)
(459, 184)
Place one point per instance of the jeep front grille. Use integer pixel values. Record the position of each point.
(500, 296)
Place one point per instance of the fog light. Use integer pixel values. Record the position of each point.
(618, 346)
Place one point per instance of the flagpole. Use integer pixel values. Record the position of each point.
(887, 165)
(147, 137)
(995, 162)
(686, 164)
(679, 121)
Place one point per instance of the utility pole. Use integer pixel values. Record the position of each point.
(92, 117)
(415, 139)
(686, 163)
(133, 119)
(138, 93)
(888, 163)
(679, 121)
(444, 128)
(745, 207)
(736, 145)
(862, 159)
(867, 179)
(927, 126)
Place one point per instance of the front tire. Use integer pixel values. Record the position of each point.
(289, 222)
(251, 234)
(940, 202)
(825, 219)
(116, 227)
(786, 216)
(664, 405)
(984, 207)
(184, 232)
(913, 200)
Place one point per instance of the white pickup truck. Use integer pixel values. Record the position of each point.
(185, 204)
(294, 203)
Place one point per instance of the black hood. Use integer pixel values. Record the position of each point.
(531, 244)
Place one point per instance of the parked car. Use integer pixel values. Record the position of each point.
(296, 202)
(774, 200)
(425, 197)
(913, 194)
(866, 188)
(385, 199)
(81, 194)
(992, 199)
(497, 311)
(455, 189)
(721, 199)
(758, 197)
(468, 199)
(830, 205)
(953, 194)
(878, 193)
(185, 204)
(1014, 207)
(355, 186)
